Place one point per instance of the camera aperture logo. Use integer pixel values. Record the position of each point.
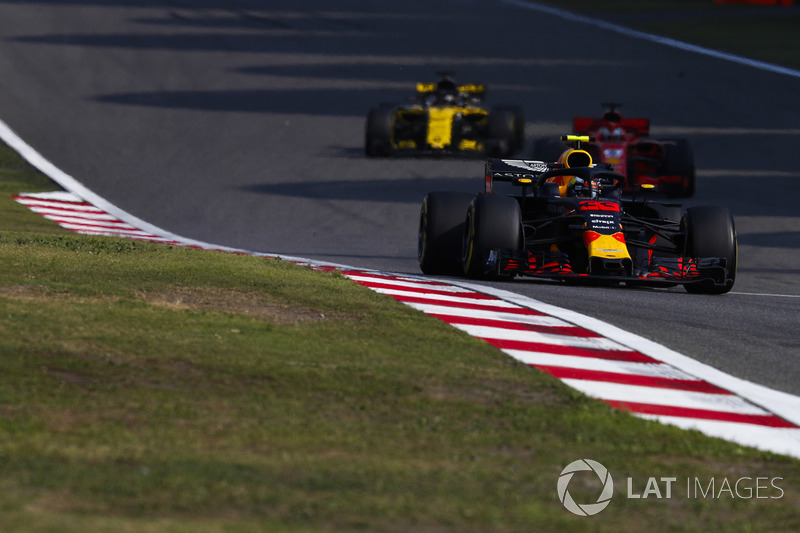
(656, 487)
(586, 509)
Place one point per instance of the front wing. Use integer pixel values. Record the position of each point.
(665, 271)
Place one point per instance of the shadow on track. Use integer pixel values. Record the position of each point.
(393, 190)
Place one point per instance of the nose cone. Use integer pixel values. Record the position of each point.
(608, 254)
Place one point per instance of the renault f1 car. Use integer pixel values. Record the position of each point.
(568, 221)
(666, 164)
(445, 119)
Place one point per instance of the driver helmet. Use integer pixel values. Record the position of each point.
(575, 186)
(447, 92)
(579, 188)
(569, 185)
(612, 116)
(594, 189)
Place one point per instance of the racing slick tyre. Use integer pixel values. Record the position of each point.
(441, 229)
(710, 232)
(378, 132)
(493, 223)
(679, 161)
(502, 133)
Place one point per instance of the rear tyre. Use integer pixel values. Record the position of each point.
(441, 229)
(493, 222)
(378, 132)
(679, 161)
(710, 232)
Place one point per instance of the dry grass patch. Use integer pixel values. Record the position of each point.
(253, 304)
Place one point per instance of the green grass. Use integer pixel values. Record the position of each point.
(147, 386)
(155, 388)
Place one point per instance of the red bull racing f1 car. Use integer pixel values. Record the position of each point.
(667, 164)
(568, 221)
(445, 119)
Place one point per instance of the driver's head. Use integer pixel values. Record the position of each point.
(578, 187)
(446, 86)
(594, 189)
(575, 186)
(447, 92)
(569, 185)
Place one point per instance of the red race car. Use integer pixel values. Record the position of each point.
(667, 165)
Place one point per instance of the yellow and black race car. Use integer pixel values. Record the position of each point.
(448, 119)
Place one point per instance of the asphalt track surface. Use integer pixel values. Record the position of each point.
(242, 125)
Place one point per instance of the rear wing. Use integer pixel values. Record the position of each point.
(475, 90)
(587, 125)
(518, 172)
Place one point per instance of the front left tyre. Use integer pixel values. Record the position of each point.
(710, 232)
(378, 132)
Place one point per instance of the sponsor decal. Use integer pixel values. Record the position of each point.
(598, 205)
(533, 166)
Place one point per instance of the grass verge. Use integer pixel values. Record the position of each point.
(155, 388)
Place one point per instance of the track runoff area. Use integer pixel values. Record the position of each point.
(624, 370)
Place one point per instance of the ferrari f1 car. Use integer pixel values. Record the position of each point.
(569, 222)
(445, 119)
(667, 165)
